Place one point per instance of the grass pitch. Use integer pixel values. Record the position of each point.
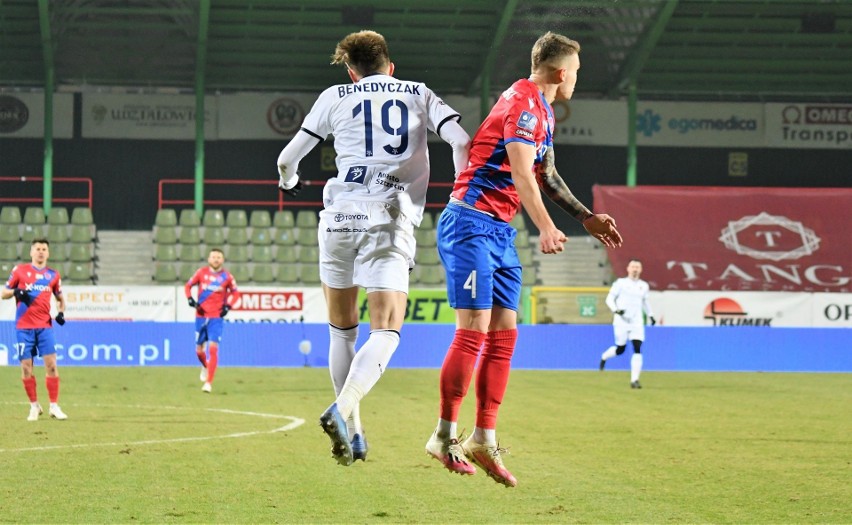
(145, 445)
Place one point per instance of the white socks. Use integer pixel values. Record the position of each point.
(635, 367)
(366, 369)
(608, 353)
(447, 429)
(341, 352)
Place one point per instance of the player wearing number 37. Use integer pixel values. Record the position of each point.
(366, 229)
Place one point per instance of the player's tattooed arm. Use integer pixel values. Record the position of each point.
(555, 188)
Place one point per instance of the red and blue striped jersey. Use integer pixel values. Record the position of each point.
(214, 290)
(521, 114)
(40, 284)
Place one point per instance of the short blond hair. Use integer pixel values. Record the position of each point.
(365, 52)
(550, 49)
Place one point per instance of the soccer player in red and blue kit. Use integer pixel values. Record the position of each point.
(511, 162)
(32, 285)
(217, 292)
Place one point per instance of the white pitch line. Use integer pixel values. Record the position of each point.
(295, 422)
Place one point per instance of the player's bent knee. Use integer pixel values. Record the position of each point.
(620, 349)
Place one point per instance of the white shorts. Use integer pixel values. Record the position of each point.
(628, 332)
(366, 244)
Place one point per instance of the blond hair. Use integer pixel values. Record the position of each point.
(550, 49)
(365, 52)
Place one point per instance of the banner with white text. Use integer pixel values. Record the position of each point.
(159, 117)
(812, 126)
(22, 115)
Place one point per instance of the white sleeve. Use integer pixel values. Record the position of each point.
(288, 159)
(611, 296)
(646, 304)
(455, 135)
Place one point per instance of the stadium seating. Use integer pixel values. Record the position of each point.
(518, 222)
(428, 221)
(260, 235)
(58, 215)
(522, 240)
(431, 274)
(32, 231)
(165, 273)
(261, 254)
(236, 219)
(309, 274)
(288, 273)
(166, 235)
(307, 237)
(79, 273)
(10, 215)
(163, 252)
(214, 236)
(189, 217)
(426, 237)
(82, 252)
(525, 255)
(186, 270)
(58, 253)
(427, 255)
(165, 217)
(286, 254)
(309, 254)
(10, 233)
(213, 218)
(263, 273)
(240, 272)
(34, 215)
(237, 253)
(282, 219)
(8, 252)
(6, 267)
(307, 219)
(190, 253)
(189, 235)
(236, 235)
(529, 276)
(260, 219)
(81, 215)
(284, 236)
(57, 233)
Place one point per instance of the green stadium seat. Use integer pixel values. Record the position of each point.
(240, 272)
(237, 235)
(165, 217)
(58, 253)
(10, 215)
(307, 219)
(188, 217)
(57, 233)
(6, 268)
(263, 273)
(81, 233)
(189, 235)
(82, 252)
(522, 240)
(288, 273)
(214, 236)
(238, 253)
(165, 235)
(428, 256)
(10, 233)
(308, 254)
(525, 255)
(33, 231)
(8, 252)
(260, 219)
(282, 219)
(34, 215)
(426, 238)
(261, 254)
(213, 218)
(307, 237)
(286, 254)
(163, 252)
(518, 222)
(78, 273)
(309, 274)
(431, 274)
(58, 215)
(428, 221)
(236, 219)
(186, 270)
(529, 276)
(165, 273)
(285, 236)
(190, 253)
(82, 215)
(260, 236)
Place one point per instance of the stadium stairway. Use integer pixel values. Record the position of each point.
(583, 263)
(124, 257)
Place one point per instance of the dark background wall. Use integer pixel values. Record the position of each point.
(126, 172)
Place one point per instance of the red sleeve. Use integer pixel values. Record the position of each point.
(12, 282)
(187, 288)
(233, 292)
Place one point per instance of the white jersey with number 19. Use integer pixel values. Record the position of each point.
(379, 126)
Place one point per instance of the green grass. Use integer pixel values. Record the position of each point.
(688, 448)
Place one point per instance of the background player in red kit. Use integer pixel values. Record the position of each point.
(217, 292)
(32, 285)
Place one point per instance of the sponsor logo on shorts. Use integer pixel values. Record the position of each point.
(350, 217)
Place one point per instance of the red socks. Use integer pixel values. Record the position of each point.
(30, 388)
(213, 362)
(52, 388)
(457, 371)
(202, 356)
(493, 376)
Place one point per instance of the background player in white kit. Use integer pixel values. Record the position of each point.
(628, 299)
(366, 231)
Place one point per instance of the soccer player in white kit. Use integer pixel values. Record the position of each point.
(628, 299)
(366, 229)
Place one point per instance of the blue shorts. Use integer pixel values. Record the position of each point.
(208, 329)
(479, 257)
(35, 342)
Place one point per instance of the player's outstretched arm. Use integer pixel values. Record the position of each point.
(600, 226)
